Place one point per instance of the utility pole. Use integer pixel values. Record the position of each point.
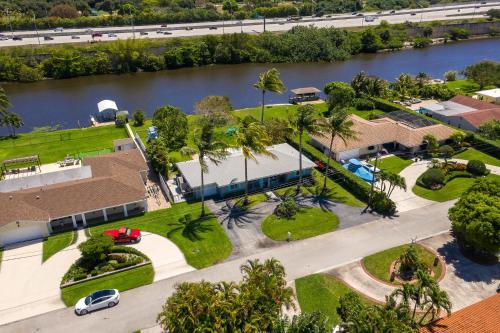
(36, 29)
(264, 24)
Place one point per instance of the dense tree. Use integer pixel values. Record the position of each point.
(475, 217)
(450, 76)
(490, 129)
(370, 41)
(216, 110)
(64, 11)
(208, 148)
(12, 121)
(253, 305)
(404, 85)
(305, 120)
(269, 81)
(172, 126)
(314, 322)
(139, 117)
(252, 139)
(158, 155)
(340, 95)
(458, 138)
(484, 73)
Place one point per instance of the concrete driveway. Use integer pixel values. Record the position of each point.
(165, 256)
(27, 286)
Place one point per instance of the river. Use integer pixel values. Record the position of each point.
(70, 102)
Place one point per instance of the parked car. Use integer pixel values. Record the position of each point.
(4, 38)
(48, 38)
(167, 33)
(75, 37)
(413, 14)
(159, 31)
(143, 33)
(96, 34)
(163, 25)
(112, 35)
(98, 300)
(392, 12)
(17, 38)
(212, 28)
(124, 235)
(360, 14)
(59, 29)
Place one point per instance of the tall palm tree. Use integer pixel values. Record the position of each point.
(269, 81)
(305, 120)
(337, 125)
(208, 149)
(437, 300)
(252, 139)
(424, 283)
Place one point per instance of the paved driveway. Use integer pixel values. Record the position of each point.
(165, 256)
(26, 285)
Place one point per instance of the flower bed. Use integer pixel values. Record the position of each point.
(120, 257)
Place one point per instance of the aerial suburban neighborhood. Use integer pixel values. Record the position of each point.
(249, 166)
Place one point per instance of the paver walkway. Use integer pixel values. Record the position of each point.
(465, 281)
(25, 280)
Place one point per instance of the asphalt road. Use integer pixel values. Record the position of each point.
(450, 12)
(139, 307)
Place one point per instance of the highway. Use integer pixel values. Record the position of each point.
(84, 35)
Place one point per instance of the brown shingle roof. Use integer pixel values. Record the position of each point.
(115, 180)
(384, 130)
(477, 118)
(472, 102)
(482, 317)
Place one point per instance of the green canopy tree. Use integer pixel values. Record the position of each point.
(484, 73)
(252, 139)
(269, 81)
(172, 126)
(305, 120)
(208, 148)
(340, 95)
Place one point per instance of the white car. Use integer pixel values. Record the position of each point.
(112, 35)
(59, 29)
(98, 300)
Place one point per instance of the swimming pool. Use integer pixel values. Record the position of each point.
(357, 168)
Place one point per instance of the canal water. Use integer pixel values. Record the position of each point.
(70, 102)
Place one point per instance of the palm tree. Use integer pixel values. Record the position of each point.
(305, 120)
(432, 143)
(252, 139)
(406, 293)
(437, 300)
(269, 81)
(424, 283)
(209, 149)
(393, 179)
(337, 125)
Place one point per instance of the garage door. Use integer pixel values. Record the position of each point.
(23, 234)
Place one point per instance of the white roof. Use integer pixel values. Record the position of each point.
(106, 104)
(448, 108)
(495, 93)
(232, 171)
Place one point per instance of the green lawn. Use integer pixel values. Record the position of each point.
(204, 243)
(452, 190)
(253, 200)
(394, 164)
(321, 292)
(464, 87)
(122, 281)
(473, 154)
(378, 264)
(56, 243)
(308, 222)
(365, 114)
(54, 146)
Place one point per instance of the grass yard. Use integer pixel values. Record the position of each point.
(308, 222)
(122, 281)
(451, 190)
(321, 292)
(203, 242)
(474, 154)
(54, 146)
(394, 164)
(56, 243)
(365, 114)
(253, 200)
(378, 264)
(464, 87)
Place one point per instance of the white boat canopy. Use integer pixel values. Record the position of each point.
(107, 104)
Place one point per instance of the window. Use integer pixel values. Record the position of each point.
(233, 186)
(371, 147)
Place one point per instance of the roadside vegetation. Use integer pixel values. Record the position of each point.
(202, 241)
(122, 281)
(57, 242)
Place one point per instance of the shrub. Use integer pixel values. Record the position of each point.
(432, 177)
(364, 104)
(457, 167)
(96, 248)
(421, 42)
(287, 209)
(139, 117)
(382, 204)
(410, 262)
(450, 76)
(350, 305)
(476, 167)
(459, 33)
(121, 120)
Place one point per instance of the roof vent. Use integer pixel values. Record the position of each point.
(38, 197)
(10, 197)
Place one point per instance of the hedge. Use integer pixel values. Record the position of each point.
(346, 179)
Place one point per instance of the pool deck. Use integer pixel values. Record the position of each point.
(417, 106)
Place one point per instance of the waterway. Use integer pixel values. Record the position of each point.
(70, 102)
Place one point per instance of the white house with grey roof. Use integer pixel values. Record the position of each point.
(228, 177)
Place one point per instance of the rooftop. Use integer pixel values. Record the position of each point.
(479, 317)
(479, 117)
(495, 93)
(306, 90)
(231, 170)
(472, 102)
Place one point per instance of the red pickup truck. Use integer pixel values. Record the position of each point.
(124, 235)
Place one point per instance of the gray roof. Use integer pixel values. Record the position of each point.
(231, 170)
(306, 90)
(449, 108)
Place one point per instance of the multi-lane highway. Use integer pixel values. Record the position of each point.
(451, 12)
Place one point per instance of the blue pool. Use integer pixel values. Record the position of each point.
(357, 168)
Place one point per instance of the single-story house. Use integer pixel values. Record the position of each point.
(478, 317)
(463, 112)
(373, 136)
(228, 177)
(124, 144)
(107, 187)
(489, 96)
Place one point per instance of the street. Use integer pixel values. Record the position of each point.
(452, 12)
(139, 307)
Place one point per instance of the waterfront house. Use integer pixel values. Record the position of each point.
(380, 134)
(103, 188)
(228, 177)
(489, 96)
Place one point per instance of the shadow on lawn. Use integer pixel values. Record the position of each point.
(234, 215)
(189, 228)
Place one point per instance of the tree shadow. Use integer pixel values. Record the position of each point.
(466, 269)
(236, 216)
(189, 228)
